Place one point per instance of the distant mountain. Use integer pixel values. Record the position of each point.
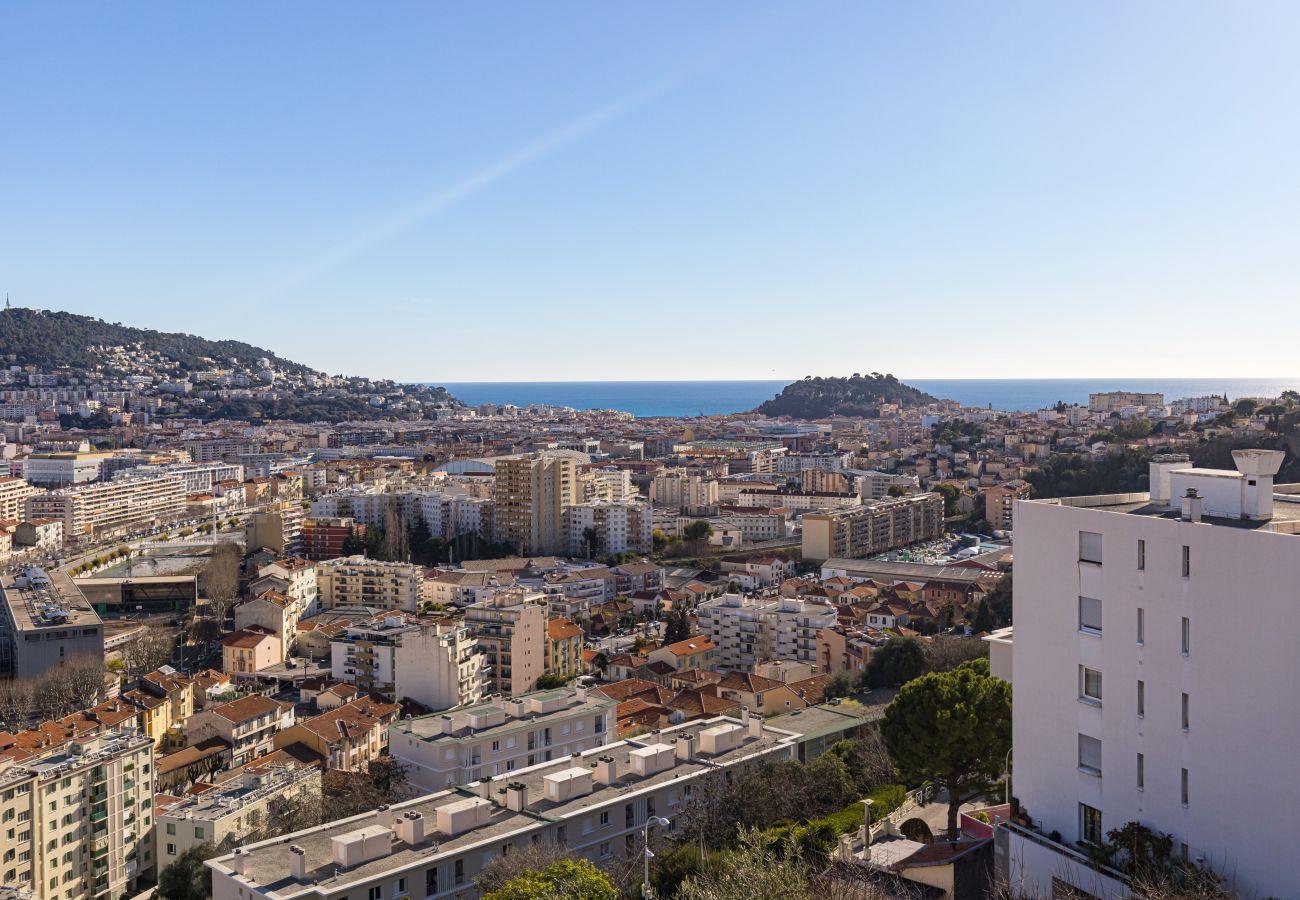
(56, 340)
(857, 395)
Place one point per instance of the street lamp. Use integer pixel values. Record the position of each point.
(646, 854)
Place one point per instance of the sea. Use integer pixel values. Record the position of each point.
(646, 399)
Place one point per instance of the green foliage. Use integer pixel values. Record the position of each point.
(898, 660)
(552, 680)
(858, 395)
(982, 619)
(188, 878)
(998, 601)
(353, 545)
(757, 867)
(841, 685)
(566, 879)
(915, 829)
(952, 729)
(699, 530)
(1245, 407)
(887, 798)
(1071, 475)
(956, 431)
(951, 497)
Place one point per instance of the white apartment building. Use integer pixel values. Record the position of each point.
(197, 478)
(45, 621)
(61, 469)
(81, 815)
(874, 527)
(100, 509)
(608, 483)
(594, 804)
(439, 665)
(510, 626)
(681, 489)
(365, 653)
(233, 808)
(1155, 672)
(358, 581)
(752, 630)
(501, 735)
(620, 527)
(873, 485)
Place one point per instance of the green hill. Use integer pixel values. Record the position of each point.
(53, 340)
(857, 395)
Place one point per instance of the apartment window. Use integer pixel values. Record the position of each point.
(1186, 713)
(1187, 635)
(171, 827)
(1089, 824)
(401, 885)
(459, 874)
(1089, 547)
(1089, 684)
(1184, 787)
(374, 893)
(198, 834)
(1142, 555)
(604, 818)
(604, 850)
(1142, 625)
(1090, 615)
(1141, 772)
(171, 849)
(1142, 699)
(1187, 561)
(431, 881)
(1089, 754)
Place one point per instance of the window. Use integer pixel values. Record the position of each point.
(1142, 555)
(1184, 787)
(1141, 772)
(171, 849)
(460, 872)
(374, 893)
(1187, 561)
(604, 850)
(1187, 636)
(1089, 684)
(604, 818)
(1089, 755)
(496, 746)
(1089, 547)
(171, 827)
(1142, 699)
(1089, 824)
(401, 885)
(198, 834)
(1186, 713)
(1090, 615)
(431, 881)
(1142, 625)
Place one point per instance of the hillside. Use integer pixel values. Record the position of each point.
(857, 395)
(54, 340)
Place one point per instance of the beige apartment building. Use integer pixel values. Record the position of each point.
(103, 508)
(358, 581)
(873, 527)
(531, 494)
(1000, 502)
(45, 621)
(81, 815)
(683, 489)
(13, 497)
(511, 628)
(233, 809)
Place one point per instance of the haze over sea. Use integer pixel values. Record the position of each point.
(692, 398)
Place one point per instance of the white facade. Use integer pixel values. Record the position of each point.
(438, 665)
(752, 630)
(622, 527)
(1155, 672)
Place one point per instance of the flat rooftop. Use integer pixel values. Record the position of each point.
(40, 600)
(267, 863)
(1285, 520)
(430, 728)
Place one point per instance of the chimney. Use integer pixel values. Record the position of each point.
(516, 796)
(240, 861)
(484, 788)
(756, 726)
(410, 828)
(297, 863)
(685, 749)
(385, 817)
(1161, 466)
(1257, 468)
(580, 692)
(1191, 506)
(744, 715)
(445, 725)
(606, 770)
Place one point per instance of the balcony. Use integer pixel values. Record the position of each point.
(99, 816)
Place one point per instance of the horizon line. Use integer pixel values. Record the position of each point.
(899, 377)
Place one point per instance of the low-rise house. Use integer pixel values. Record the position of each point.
(693, 653)
(347, 736)
(758, 694)
(248, 725)
(246, 651)
(271, 611)
(563, 648)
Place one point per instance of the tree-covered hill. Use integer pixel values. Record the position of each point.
(52, 339)
(857, 395)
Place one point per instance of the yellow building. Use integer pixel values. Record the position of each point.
(563, 648)
(531, 494)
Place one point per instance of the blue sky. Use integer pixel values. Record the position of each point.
(559, 190)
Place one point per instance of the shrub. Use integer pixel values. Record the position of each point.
(887, 798)
(915, 829)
